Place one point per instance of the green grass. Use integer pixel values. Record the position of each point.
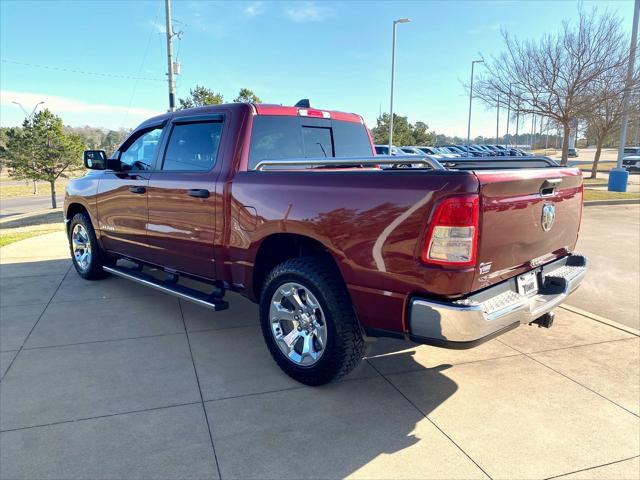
(603, 165)
(590, 194)
(12, 237)
(24, 190)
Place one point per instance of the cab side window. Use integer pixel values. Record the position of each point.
(139, 155)
(193, 147)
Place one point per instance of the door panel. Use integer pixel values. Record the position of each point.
(122, 194)
(182, 200)
(181, 227)
(122, 213)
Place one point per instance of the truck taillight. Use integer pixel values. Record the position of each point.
(452, 236)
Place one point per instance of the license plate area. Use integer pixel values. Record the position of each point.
(528, 283)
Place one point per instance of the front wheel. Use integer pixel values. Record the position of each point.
(85, 251)
(308, 321)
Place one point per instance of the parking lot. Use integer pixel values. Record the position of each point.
(112, 380)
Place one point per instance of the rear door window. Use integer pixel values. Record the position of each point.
(351, 139)
(274, 138)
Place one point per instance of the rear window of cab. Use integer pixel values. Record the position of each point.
(276, 137)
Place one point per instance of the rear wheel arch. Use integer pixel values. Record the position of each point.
(280, 247)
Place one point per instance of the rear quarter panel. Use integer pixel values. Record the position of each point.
(371, 222)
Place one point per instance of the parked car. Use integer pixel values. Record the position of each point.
(572, 152)
(631, 163)
(384, 150)
(500, 152)
(629, 151)
(422, 150)
(411, 151)
(455, 149)
(249, 198)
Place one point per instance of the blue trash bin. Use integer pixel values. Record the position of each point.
(618, 178)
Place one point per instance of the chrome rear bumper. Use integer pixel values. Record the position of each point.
(491, 312)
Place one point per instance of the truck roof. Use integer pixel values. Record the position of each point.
(265, 109)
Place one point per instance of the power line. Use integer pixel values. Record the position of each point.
(82, 72)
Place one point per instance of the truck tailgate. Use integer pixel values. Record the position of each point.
(514, 236)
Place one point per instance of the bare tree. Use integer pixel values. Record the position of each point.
(554, 76)
(607, 111)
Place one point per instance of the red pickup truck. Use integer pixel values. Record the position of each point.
(290, 207)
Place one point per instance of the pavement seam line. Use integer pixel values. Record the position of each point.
(431, 421)
(591, 468)
(422, 368)
(578, 383)
(88, 342)
(204, 408)
(287, 389)
(97, 417)
(558, 349)
(35, 324)
(601, 319)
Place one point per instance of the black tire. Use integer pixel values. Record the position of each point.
(345, 346)
(93, 270)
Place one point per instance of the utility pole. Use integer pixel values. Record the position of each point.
(627, 93)
(618, 176)
(172, 93)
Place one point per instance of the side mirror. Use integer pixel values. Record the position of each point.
(95, 159)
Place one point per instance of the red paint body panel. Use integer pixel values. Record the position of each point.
(372, 222)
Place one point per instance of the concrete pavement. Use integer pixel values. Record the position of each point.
(610, 238)
(109, 379)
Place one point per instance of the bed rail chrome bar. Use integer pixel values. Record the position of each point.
(351, 162)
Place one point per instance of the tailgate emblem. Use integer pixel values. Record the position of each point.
(548, 216)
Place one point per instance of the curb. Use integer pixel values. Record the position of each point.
(622, 201)
(600, 319)
(35, 213)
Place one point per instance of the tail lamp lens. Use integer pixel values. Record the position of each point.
(452, 236)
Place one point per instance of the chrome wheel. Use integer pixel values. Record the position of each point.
(298, 324)
(81, 245)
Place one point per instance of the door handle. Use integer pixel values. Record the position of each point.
(198, 193)
(137, 189)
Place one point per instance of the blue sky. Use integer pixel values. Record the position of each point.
(335, 53)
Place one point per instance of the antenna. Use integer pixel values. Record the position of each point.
(304, 103)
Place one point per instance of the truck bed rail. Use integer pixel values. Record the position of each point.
(371, 161)
(428, 161)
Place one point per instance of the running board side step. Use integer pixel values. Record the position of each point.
(213, 301)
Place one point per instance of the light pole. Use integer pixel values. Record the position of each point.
(506, 138)
(470, 99)
(497, 118)
(618, 176)
(29, 117)
(393, 66)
